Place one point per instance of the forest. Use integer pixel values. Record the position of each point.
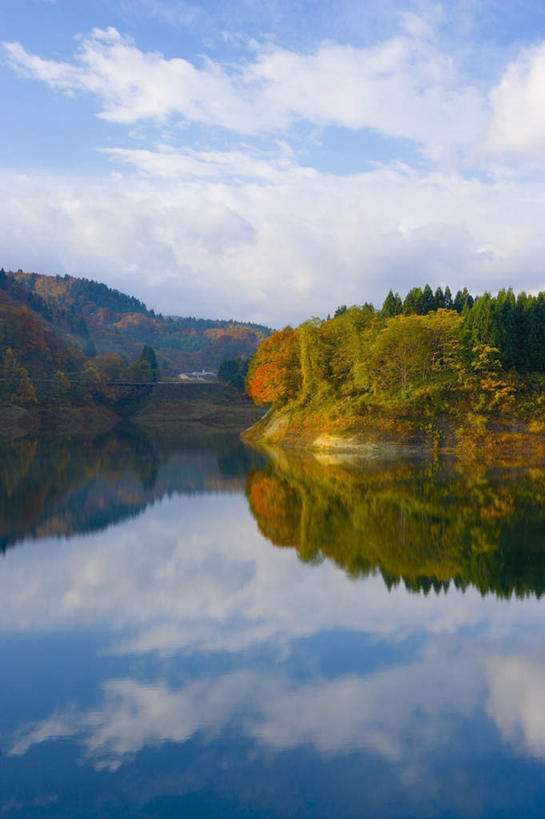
(95, 318)
(426, 363)
(67, 341)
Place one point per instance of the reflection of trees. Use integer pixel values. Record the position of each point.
(41, 480)
(61, 486)
(428, 525)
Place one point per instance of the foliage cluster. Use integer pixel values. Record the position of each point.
(427, 357)
(36, 366)
(82, 309)
(64, 340)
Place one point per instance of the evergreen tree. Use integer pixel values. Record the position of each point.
(539, 307)
(428, 300)
(148, 355)
(392, 305)
(505, 328)
(463, 299)
(414, 302)
(535, 330)
(439, 299)
(522, 320)
(480, 322)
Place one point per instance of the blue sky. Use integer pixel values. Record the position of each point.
(271, 160)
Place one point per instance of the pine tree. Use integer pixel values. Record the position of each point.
(148, 354)
(428, 300)
(392, 305)
(505, 329)
(414, 302)
(439, 299)
(480, 323)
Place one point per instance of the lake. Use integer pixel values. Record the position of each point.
(193, 628)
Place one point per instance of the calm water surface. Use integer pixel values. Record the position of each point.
(191, 629)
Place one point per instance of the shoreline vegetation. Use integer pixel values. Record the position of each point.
(427, 373)
(77, 358)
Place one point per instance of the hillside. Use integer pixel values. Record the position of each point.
(430, 370)
(59, 369)
(93, 317)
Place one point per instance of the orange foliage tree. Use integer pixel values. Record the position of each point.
(274, 374)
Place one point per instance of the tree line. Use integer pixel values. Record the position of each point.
(429, 353)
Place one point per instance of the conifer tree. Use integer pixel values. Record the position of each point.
(428, 300)
(439, 299)
(392, 305)
(505, 329)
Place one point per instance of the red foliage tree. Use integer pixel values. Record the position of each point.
(274, 374)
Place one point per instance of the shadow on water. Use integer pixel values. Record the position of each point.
(427, 524)
(62, 486)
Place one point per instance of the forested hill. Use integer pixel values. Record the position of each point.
(425, 364)
(98, 319)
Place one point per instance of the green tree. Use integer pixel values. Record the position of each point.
(414, 302)
(480, 322)
(233, 371)
(428, 300)
(148, 354)
(392, 306)
(505, 327)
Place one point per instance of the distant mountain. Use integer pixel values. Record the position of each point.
(92, 317)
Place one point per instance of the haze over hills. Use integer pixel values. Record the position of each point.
(94, 318)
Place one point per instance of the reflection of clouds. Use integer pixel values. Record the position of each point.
(516, 700)
(395, 712)
(196, 573)
(135, 714)
(400, 713)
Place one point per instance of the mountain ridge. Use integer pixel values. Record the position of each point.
(94, 317)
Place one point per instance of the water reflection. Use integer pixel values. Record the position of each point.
(66, 486)
(426, 523)
(177, 664)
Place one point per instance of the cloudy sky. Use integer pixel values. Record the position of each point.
(270, 159)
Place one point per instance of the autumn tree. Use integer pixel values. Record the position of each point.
(18, 387)
(274, 373)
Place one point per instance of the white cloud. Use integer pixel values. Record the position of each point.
(402, 87)
(238, 234)
(518, 103)
(256, 234)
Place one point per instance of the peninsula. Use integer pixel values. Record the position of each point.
(431, 371)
